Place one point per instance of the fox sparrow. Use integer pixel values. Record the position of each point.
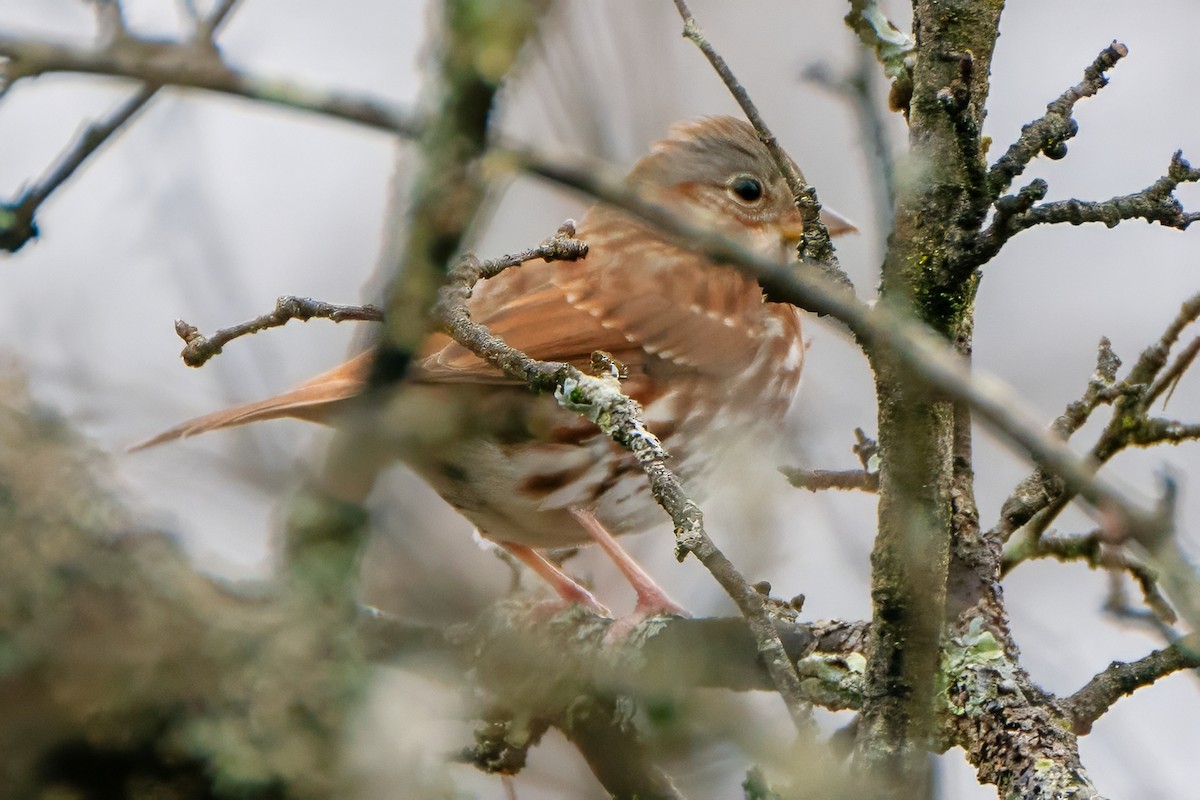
(705, 354)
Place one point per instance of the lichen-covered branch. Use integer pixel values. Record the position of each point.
(1010, 730)
(660, 655)
(892, 47)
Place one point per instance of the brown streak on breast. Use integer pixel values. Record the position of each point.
(542, 484)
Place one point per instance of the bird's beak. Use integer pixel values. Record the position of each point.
(792, 225)
(837, 224)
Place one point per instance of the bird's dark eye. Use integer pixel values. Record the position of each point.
(748, 189)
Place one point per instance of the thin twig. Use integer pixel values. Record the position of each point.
(1049, 133)
(17, 225)
(188, 7)
(208, 28)
(1100, 693)
(1117, 605)
(865, 479)
(198, 348)
(1100, 389)
(110, 20)
(1171, 376)
(1094, 550)
(1157, 430)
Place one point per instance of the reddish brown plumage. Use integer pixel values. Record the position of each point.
(705, 353)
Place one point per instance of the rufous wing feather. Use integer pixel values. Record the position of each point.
(529, 310)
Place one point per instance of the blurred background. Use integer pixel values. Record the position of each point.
(208, 208)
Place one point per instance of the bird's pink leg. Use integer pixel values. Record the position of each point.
(563, 584)
(651, 599)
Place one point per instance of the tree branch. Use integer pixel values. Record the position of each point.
(198, 348)
(1049, 133)
(600, 729)
(325, 536)
(821, 479)
(17, 225)
(1042, 491)
(1094, 550)
(1121, 678)
(1155, 203)
(513, 640)
(1009, 729)
(194, 65)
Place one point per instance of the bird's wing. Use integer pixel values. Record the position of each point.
(651, 306)
(685, 314)
(530, 310)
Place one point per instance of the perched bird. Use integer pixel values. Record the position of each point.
(705, 353)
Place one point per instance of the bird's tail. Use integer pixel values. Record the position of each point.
(314, 401)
